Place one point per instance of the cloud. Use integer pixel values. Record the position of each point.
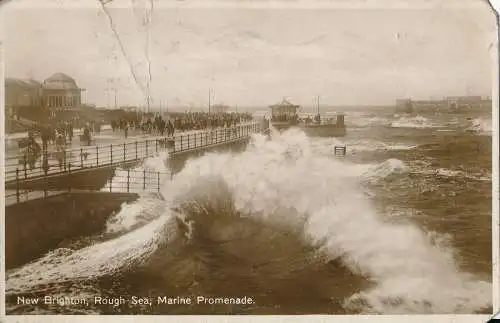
(256, 56)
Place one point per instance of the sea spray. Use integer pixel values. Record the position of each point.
(293, 226)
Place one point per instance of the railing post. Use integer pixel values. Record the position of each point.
(69, 180)
(147, 153)
(17, 185)
(128, 180)
(124, 149)
(181, 141)
(144, 180)
(136, 150)
(81, 157)
(156, 143)
(111, 147)
(45, 162)
(64, 159)
(25, 170)
(158, 182)
(97, 154)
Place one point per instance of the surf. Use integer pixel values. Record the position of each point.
(283, 221)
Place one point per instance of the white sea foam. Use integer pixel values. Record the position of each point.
(412, 273)
(373, 145)
(410, 269)
(474, 175)
(367, 121)
(412, 122)
(482, 125)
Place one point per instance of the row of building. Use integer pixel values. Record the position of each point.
(447, 103)
(32, 99)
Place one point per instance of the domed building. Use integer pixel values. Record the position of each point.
(61, 93)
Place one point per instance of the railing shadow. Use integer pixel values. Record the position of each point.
(129, 181)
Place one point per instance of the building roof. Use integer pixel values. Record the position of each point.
(60, 81)
(20, 82)
(284, 103)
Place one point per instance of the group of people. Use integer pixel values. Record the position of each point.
(158, 125)
(60, 133)
(32, 151)
(57, 134)
(203, 120)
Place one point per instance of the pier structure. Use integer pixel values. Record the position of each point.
(91, 167)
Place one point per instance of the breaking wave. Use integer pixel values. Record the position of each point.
(373, 145)
(412, 122)
(482, 126)
(281, 221)
(363, 122)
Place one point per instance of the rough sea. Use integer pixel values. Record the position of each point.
(401, 225)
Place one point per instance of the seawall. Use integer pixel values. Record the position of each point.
(35, 227)
(177, 161)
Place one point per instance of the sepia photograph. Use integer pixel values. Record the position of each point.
(249, 157)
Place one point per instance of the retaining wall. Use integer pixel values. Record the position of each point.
(35, 227)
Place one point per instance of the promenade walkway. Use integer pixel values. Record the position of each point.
(130, 151)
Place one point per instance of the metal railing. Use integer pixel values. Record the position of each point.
(19, 167)
(214, 137)
(70, 160)
(125, 181)
(136, 181)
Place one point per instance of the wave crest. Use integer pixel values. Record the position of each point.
(419, 122)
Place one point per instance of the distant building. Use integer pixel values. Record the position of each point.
(450, 103)
(61, 93)
(465, 99)
(22, 97)
(34, 100)
(284, 108)
(401, 103)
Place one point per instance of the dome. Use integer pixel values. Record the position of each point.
(60, 81)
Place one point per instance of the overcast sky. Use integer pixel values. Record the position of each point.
(255, 56)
